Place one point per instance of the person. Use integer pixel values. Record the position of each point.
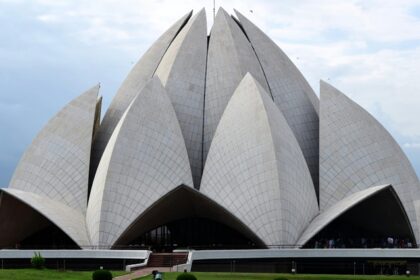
(390, 242)
(402, 243)
(363, 242)
(409, 244)
(331, 243)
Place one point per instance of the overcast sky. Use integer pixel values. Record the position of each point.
(52, 50)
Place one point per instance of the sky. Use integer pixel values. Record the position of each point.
(53, 50)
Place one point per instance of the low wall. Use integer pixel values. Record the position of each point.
(74, 259)
(339, 261)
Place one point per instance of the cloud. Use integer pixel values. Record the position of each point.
(52, 50)
(412, 145)
(385, 79)
(48, 18)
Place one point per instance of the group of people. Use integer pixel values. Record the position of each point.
(388, 242)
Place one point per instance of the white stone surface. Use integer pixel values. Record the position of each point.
(256, 170)
(182, 72)
(305, 253)
(71, 221)
(76, 254)
(416, 203)
(132, 85)
(156, 137)
(291, 93)
(56, 164)
(230, 57)
(356, 152)
(145, 158)
(219, 254)
(330, 214)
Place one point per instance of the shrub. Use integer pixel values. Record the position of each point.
(186, 276)
(102, 275)
(37, 261)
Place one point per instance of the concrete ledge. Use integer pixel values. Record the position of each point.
(220, 254)
(305, 253)
(132, 267)
(76, 254)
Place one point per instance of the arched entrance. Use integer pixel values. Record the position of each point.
(193, 232)
(188, 219)
(370, 223)
(22, 227)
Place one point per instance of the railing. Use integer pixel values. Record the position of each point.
(321, 244)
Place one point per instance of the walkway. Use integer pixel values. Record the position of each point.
(142, 272)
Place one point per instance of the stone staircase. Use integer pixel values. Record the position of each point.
(166, 259)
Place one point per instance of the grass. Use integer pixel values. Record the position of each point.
(269, 276)
(45, 274)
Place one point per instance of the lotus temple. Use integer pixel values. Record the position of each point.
(214, 142)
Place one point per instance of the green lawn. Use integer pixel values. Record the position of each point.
(45, 274)
(269, 276)
(32, 274)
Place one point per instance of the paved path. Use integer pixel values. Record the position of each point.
(142, 272)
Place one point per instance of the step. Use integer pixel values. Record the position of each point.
(166, 259)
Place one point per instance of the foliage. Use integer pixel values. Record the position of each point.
(38, 261)
(281, 276)
(102, 275)
(46, 274)
(43, 274)
(186, 276)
